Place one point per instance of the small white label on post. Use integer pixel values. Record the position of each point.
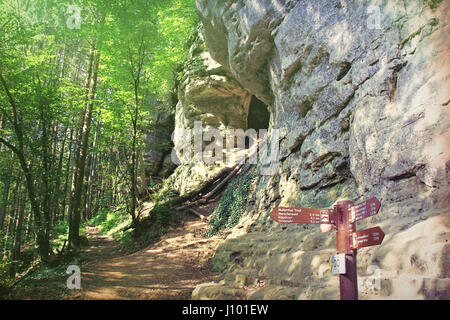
(337, 263)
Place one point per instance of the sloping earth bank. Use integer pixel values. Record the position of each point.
(168, 269)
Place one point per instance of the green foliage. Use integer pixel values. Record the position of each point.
(162, 215)
(160, 218)
(59, 236)
(153, 186)
(155, 225)
(45, 66)
(433, 4)
(110, 222)
(232, 204)
(5, 279)
(52, 278)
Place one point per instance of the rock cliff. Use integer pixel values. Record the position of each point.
(359, 94)
(208, 95)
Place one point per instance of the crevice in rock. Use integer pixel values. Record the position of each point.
(339, 109)
(258, 115)
(311, 186)
(323, 160)
(304, 108)
(292, 69)
(412, 172)
(344, 69)
(297, 144)
(402, 176)
(335, 180)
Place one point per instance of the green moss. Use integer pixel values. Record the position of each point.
(432, 22)
(326, 197)
(160, 219)
(232, 204)
(5, 279)
(112, 222)
(433, 4)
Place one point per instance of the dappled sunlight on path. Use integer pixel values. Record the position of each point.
(168, 269)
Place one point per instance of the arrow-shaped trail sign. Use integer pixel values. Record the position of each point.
(368, 237)
(302, 215)
(365, 209)
(344, 216)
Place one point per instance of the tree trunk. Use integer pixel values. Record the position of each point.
(18, 236)
(5, 197)
(42, 239)
(69, 176)
(74, 229)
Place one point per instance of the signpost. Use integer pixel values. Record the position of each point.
(366, 209)
(337, 264)
(366, 238)
(302, 215)
(343, 216)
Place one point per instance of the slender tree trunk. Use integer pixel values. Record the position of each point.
(68, 176)
(59, 216)
(47, 176)
(75, 191)
(29, 230)
(4, 202)
(90, 174)
(12, 220)
(42, 238)
(74, 237)
(5, 197)
(18, 235)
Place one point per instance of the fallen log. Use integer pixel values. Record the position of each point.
(195, 194)
(213, 192)
(223, 182)
(197, 214)
(203, 194)
(216, 189)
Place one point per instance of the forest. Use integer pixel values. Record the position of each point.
(80, 81)
(224, 150)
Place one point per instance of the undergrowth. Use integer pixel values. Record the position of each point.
(153, 225)
(111, 223)
(29, 254)
(52, 278)
(232, 204)
(433, 4)
(160, 219)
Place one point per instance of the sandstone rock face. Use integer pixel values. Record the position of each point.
(359, 93)
(206, 94)
(158, 145)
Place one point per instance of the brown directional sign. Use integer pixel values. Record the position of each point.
(368, 237)
(344, 216)
(302, 215)
(365, 209)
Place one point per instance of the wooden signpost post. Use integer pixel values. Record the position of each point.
(343, 216)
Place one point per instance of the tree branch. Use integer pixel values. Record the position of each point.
(8, 93)
(15, 120)
(9, 145)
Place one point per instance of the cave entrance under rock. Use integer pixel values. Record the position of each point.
(258, 115)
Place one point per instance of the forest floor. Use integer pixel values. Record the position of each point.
(168, 269)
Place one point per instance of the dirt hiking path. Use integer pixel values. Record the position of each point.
(168, 269)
